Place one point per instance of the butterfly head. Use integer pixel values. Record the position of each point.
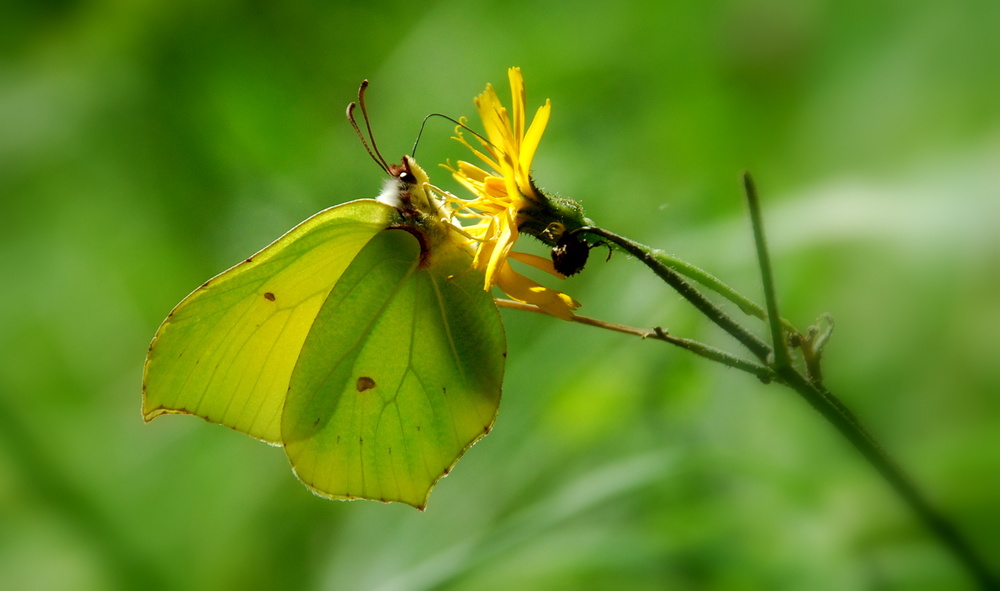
(407, 189)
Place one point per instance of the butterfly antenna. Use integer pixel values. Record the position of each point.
(413, 153)
(371, 149)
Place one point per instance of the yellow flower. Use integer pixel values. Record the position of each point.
(505, 195)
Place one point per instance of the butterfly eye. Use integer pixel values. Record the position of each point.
(406, 173)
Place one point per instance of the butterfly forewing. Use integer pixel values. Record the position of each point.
(227, 351)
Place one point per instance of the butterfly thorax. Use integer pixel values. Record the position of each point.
(420, 212)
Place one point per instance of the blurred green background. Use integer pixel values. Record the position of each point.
(146, 146)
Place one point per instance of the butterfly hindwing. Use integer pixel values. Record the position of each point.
(400, 374)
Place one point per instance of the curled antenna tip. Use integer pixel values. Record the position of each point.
(373, 148)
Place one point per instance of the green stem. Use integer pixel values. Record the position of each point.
(849, 425)
(864, 441)
(651, 258)
(745, 304)
(763, 373)
(821, 399)
(778, 342)
(748, 306)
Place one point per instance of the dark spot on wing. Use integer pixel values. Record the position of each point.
(269, 296)
(365, 383)
(249, 260)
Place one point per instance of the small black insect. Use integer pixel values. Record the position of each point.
(570, 253)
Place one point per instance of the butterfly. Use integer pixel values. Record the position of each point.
(361, 341)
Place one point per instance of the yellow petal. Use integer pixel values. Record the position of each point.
(534, 135)
(522, 289)
(536, 261)
(472, 171)
(518, 99)
(484, 253)
(497, 187)
(505, 238)
(492, 113)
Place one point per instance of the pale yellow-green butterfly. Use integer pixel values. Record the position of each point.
(361, 341)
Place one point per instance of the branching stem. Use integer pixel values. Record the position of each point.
(650, 258)
(776, 365)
